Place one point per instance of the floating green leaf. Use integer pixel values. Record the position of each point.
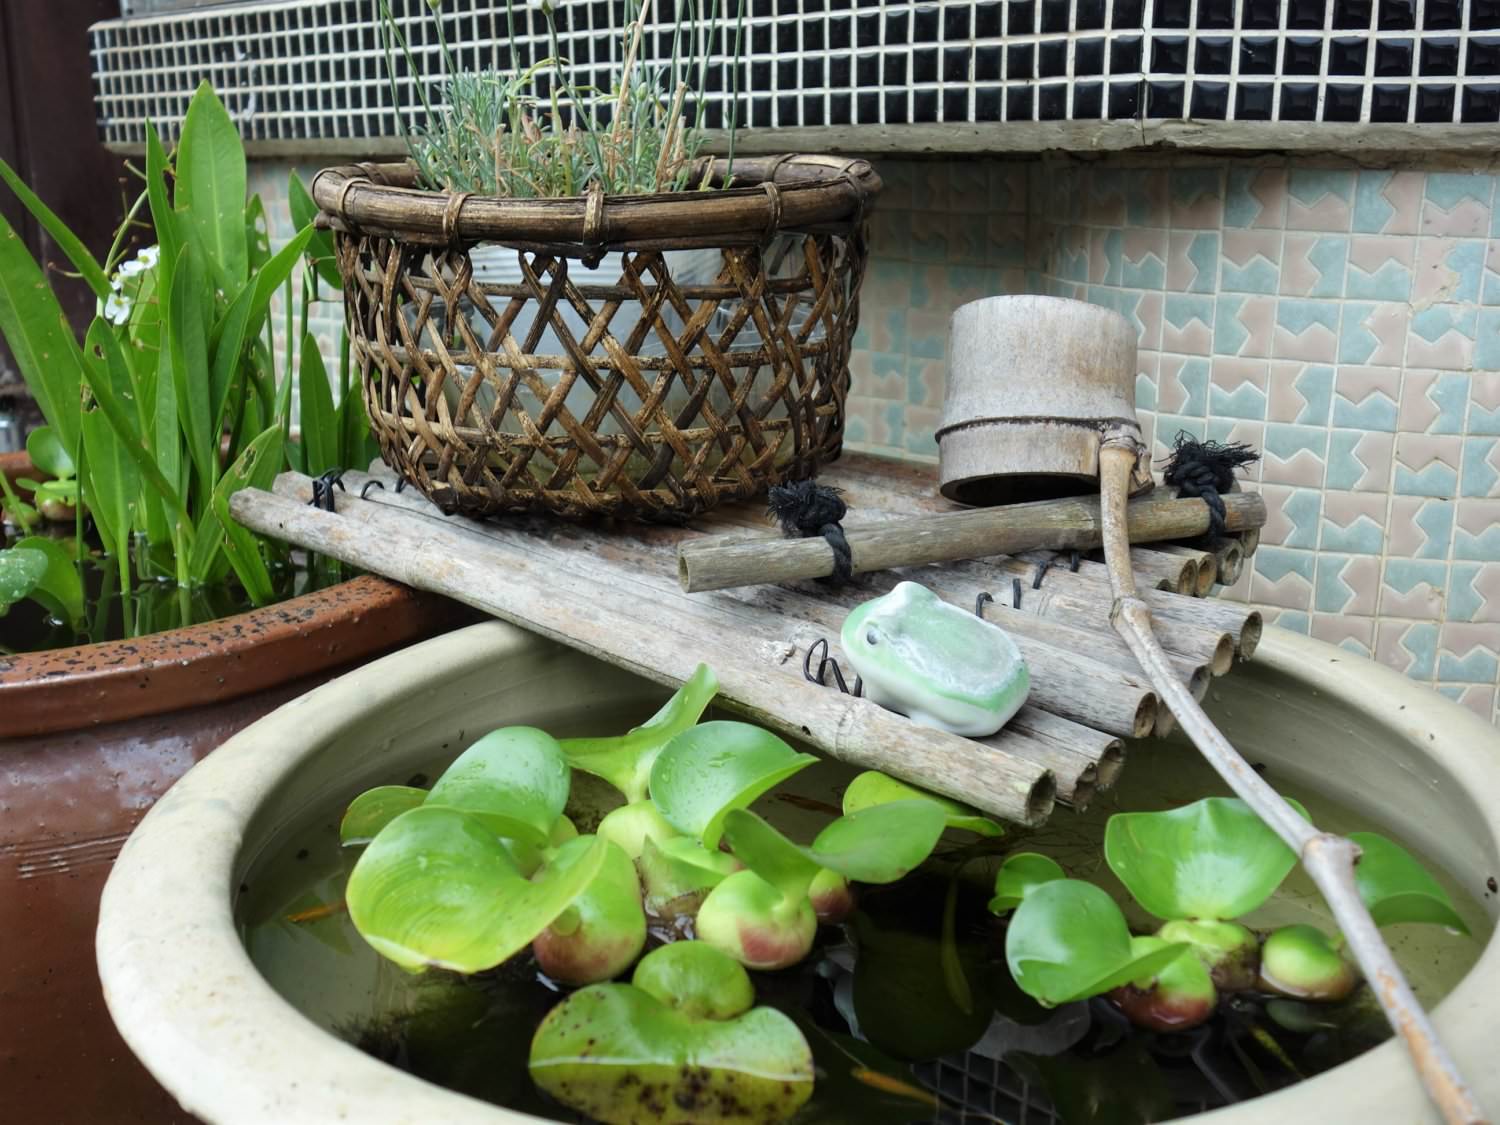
(1397, 888)
(709, 769)
(1211, 859)
(59, 589)
(679, 1069)
(696, 979)
(437, 888)
(21, 570)
(625, 761)
(514, 780)
(373, 809)
(875, 788)
(47, 452)
(1019, 874)
(769, 854)
(1068, 941)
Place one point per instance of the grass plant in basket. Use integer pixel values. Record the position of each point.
(170, 403)
(559, 304)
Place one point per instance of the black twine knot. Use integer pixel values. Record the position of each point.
(805, 509)
(1205, 469)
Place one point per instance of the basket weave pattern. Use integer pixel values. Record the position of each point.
(616, 391)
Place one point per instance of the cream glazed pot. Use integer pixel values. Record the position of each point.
(198, 1014)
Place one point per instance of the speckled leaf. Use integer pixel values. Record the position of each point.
(21, 569)
(620, 1056)
(1212, 859)
(880, 844)
(437, 888)
(875, 788)
(625, 761)
(373, 809)
(1068, 941)
(1020, 874)
(714, 767)
(1397, 888)
(514, 779)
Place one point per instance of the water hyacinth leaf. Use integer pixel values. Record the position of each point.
(769, 854)
(21, 570)
(1211, 859)
(373, 809)
(59, 589)
(875, 788)
(1068, 941)
(1397, 888)
(47, 452)
(603, 930)
(436, 888)
(514, 779)
(1020, 874)
(630, 826)
(696, 979)
(625, 761)
(882, 843)
(714, 767)
(677, 872)
(679, 1070)
(1174, 997)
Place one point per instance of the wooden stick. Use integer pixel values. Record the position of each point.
(1329, 859)
(533, 590)
(1207, 563)
(943, 537)
(1106, 751)
(1231, 561)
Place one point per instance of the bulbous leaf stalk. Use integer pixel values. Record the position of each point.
(1302, 963)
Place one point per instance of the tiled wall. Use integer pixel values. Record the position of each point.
(1344, 320)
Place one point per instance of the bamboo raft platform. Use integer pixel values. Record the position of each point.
(613, 590)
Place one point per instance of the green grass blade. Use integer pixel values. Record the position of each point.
(70, 244)
(320, 428)
(33, 324)
(163, 218)
(187, 337)
(211, 182)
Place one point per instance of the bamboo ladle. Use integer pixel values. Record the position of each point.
(1041, 403)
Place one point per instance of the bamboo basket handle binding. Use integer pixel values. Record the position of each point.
(1041, 398)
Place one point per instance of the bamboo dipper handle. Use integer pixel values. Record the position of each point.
(719, 562)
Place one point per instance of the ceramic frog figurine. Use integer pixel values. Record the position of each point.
(934, 662)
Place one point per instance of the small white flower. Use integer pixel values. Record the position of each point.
(117, 308)
(148, 256)
(130, 269)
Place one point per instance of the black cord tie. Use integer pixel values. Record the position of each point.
(322, 492)
(805, 509)
(1205, 469)
(826, 663)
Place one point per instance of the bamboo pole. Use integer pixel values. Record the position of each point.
(534, 590)
(1231, 561)
(943, 537)
(1329, 859)
(1106, 751)
(1206, 561)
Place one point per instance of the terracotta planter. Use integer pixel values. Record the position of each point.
(233, 1049)
(15, 465)
(89, 738)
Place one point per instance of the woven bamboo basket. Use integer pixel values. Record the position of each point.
(636, 356)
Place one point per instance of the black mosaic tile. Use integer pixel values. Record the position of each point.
(1020, 61)
(1020, 17)
(1347, 55)
(1088, 57)
(987, 63)
(1088, 15)
(1052, 60)
(1397, 15)
(987, 21)
(1257, 56)
(1124, 99)
(1172, 13)
(1480, 104)
(924, 65)
(1125, 55)
(897, 27)
(867, 31)
(1052, 102)
(1164, 99)
(955, 105)
(957, 23)
(1393, 58)
(840, 69)
(893, 70)
(812, 109)
(1169, 55)
(924, 106)
(840, 109)
(867, 67)
(1443, 15)
(1343, 103)
(1088, 101)
(1435, 103)
(1302, 56)
(1055, 15)
(924, 25)
(1306, 13)
(1128, 14)
(1210, 100)
(786, 74)
(1389, 102)
(1018, 104)
(987, 103)
(1484, 57)
(1299, 102)
(786, 109)
(1214, 56)
(895, 108)
(1440, 56)
(1484, 15)
(1260, 15)
(956, 64)
(1215, 15)
(839, 34)
(1352, 13)
(1252, 101)
(760, 112)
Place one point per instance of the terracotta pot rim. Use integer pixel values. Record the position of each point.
(87, 685)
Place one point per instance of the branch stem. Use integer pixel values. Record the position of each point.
(1328, 859)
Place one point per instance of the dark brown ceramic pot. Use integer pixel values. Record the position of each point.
(89, 738)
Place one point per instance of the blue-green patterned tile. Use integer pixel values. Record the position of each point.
(1480, 473)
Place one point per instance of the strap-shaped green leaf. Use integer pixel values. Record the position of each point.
(1397, 888)
(84, 262)
(211, 184)
(40, 339)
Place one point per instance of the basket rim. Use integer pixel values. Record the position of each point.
(794, 192)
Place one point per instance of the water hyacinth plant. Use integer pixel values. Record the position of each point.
(172, 401)
(1198, 869)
